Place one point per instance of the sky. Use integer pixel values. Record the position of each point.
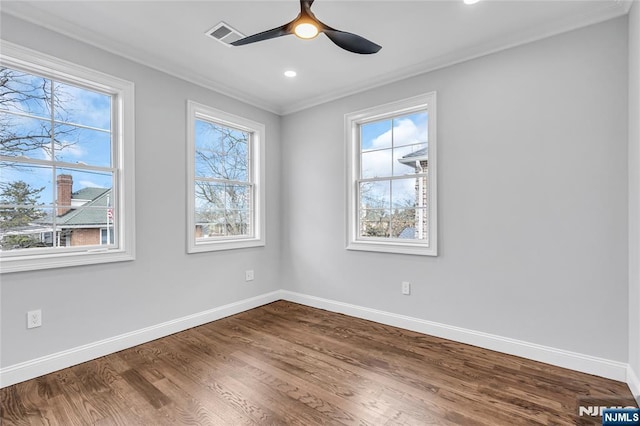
(383, 143)
(82, 127)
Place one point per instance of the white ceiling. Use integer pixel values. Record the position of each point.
(416, 36)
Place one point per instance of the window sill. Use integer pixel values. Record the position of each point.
(391, 247)
(33, 263)
(221, 245)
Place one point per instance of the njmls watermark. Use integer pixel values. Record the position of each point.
(598, 411)
(621, 416)
(611, 411)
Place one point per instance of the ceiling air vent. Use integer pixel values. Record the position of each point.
(225, 34)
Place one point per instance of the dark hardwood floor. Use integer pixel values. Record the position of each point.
(285, 363)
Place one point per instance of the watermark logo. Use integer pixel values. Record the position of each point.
(599, 410)
(629, 416)
(610, 411)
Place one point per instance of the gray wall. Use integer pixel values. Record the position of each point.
(634, 189)
(82, 305)
(532, 154)
(532, 207)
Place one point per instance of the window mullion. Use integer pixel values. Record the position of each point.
(54, 186)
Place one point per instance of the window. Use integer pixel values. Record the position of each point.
(226, 180)
(66, 163)
(391, 166)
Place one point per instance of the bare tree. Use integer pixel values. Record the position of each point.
(20, 94)
(225, 157)
(378, 220)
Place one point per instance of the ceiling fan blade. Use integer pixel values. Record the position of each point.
(351, 42)
(265, 35)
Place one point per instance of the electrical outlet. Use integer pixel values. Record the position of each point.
(248, 275)
(34, 318)
(406, 287)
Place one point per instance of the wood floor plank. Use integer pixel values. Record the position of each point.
(289, 364)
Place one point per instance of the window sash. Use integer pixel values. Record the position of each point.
(356, 210)
(121, 165)
(254, 209)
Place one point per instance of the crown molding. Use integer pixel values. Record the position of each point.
(32, 14)
(29, 13)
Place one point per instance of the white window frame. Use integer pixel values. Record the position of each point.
(353, 121)
(197, 111)
(31, 61)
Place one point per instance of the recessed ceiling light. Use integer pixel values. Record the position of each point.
(290, 73)
(471, 1)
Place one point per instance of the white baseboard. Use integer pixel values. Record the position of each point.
(47, 364)
(559, 357)
(575, 361)
(633, 380)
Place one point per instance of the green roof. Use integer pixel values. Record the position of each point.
(90, 215)
(88, 193)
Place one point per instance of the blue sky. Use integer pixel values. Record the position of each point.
(383, 143)
(83, 128)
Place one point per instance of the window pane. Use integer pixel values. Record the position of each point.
(407, 192)
(25, 136)
(410, 129)
(375, 135)
(25, 93)
(81, 106)
(237, 222)
(210, 195)
(410, 224)
(375, 223)
(238, 197)
(83, 226)
(25, 227)
(221, 152)
(376, 163)
(85, 205)
(375, 195)
(26, 184)
(210, 223)
(222, 210)
(410, 159)
(81, 145)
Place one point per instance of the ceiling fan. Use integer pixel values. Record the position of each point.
(307, 26)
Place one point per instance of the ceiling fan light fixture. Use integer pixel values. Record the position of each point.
(306, 30)
(306, 26)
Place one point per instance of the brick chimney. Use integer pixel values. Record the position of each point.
(65, 188)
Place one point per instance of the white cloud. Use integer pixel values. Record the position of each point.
(404, 132)
(379, 163)
(86, 184)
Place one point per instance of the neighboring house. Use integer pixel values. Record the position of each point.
(84, 220)
(419, 160)
(84, 226)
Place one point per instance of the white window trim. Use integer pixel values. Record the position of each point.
(200, 111)
(124, 135)
(352, 138)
